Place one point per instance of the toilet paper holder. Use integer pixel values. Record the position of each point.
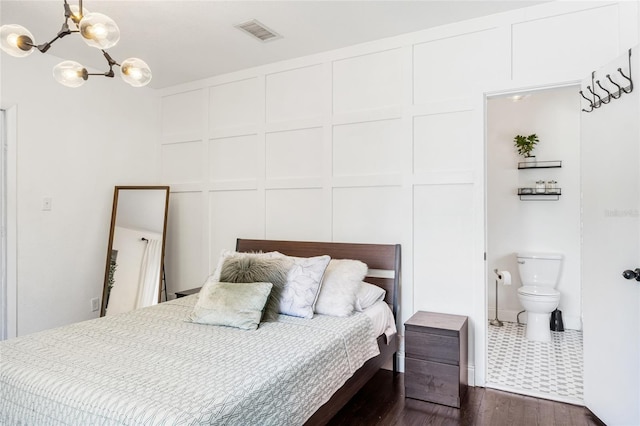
(496, 322)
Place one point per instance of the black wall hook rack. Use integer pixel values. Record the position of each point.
(596, 100)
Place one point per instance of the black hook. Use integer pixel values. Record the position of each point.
(608, 97)
(619, 92)
(628, 78)
(588, 100)
(598, 103)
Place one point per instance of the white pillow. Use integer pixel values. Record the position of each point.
(303, 284)
(215, 277)
(340, 286)
(367, 295)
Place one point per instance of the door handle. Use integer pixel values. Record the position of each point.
(630, 275)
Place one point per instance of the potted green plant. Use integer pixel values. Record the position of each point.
(525, 145)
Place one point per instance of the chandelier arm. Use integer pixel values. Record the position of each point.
(109, 59)
(64, 31)
(68, 14)
(109, 73)
(111, 63)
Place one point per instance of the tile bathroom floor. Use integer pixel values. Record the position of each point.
(551, 370)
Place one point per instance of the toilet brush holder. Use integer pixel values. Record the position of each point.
(496, 322)
(555, 322)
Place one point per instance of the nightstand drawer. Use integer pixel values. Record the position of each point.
(432, 347)
(432, 381)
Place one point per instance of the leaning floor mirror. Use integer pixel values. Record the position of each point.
(134, 270)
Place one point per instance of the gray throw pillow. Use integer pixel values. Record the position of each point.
(236, 305)
(239, 268)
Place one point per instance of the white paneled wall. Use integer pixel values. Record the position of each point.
(283, 94)
(294, 154)
(181, 162)
(443, 142)
(366, 149)
(443, 248)
(381, 142)
(449, 68)
(234, 106)
(567, 42)
(367, 82)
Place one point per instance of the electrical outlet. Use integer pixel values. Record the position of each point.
(95, 304)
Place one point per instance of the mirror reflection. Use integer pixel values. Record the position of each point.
(135, 256)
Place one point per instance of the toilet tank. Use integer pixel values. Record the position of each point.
(540, 269)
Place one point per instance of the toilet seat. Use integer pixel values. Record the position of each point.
(534, 290)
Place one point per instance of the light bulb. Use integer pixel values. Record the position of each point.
(99, 30)
(135, 72)
(70, 74)
(16, 40)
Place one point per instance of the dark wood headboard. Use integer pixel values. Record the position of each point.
(383, 260)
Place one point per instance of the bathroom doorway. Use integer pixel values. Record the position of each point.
(523, 215)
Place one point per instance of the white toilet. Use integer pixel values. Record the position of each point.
(539, 273)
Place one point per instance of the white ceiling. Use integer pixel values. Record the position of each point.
(184, 41)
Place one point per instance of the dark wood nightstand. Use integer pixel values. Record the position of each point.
(184, 293)
(435, 365)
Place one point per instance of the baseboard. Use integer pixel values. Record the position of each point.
(504, 315)
(570, 322)
(471, 375)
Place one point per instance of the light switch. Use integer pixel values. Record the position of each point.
(47, 203)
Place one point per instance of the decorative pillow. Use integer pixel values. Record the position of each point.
(215, 277)
(239, 268)
(303, 284)
(367, 295)
(236, 305)
(340, 286)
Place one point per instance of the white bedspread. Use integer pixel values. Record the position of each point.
(150, 366)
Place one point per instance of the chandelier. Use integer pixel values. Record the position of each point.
(96, 29)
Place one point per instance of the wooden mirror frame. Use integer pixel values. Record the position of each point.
(114, 212)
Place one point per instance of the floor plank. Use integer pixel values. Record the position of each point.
(382, 402)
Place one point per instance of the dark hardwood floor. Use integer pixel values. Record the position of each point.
(382, 402)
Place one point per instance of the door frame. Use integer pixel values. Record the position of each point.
(481, 296)
(10, 315)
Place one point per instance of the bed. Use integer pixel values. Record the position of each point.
(150, 366)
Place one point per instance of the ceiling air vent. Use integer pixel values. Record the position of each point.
(258, 30)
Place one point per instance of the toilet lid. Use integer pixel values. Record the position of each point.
(535, 290)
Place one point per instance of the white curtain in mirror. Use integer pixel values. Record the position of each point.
(148, 287)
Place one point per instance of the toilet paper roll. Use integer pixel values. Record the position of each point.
(504, 277)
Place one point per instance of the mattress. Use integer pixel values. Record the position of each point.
(151, 366)
(382, 319)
